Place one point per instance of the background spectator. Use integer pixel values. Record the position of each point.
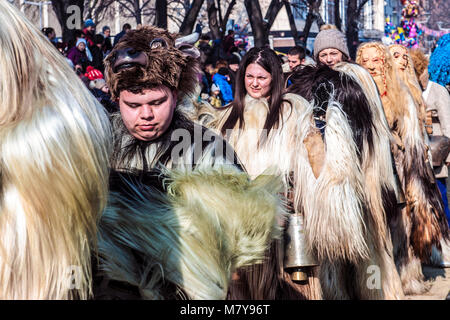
(126, 28)
(89, 32)
(330, 47)
(50, 34)
(296, 56)
(233, 66)
(97, 52)
(107, 45)
(228, 42)
(221, 79)
(78, 54)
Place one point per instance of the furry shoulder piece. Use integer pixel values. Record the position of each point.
(54, 151)
(347, 203)
(207, 115)
(208, 224)
(149, 57)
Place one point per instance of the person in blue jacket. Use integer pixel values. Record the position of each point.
(221, 79)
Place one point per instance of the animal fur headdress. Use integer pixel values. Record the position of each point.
(149, 57)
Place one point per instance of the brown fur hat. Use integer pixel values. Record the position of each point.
(149, 57)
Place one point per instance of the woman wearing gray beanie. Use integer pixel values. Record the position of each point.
(330, 47)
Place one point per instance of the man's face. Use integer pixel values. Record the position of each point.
(234, 67)
(330, 56)
(400, 57)
(294, 60)
(373, 61)
(147, 115)
(107, 33)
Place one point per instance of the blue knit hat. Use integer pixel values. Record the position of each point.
(89, 23)
(439, 66)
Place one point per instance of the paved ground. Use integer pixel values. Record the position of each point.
(440, 279)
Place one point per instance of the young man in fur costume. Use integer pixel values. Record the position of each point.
(151, 75)
(422, 222)
(55, 142)
(350, 236)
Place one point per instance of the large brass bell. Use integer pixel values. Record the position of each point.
(297, 259)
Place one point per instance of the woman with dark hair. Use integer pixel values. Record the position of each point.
(259, 76)
(262, 125)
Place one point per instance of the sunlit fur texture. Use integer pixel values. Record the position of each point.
(355, 190)
(277, 155)
(54, 151)
(380, 185)
(408, 76)
(420, 62)
(423, 219)
(193, 236)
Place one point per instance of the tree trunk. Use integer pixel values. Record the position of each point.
(186, 6)
(351, 32)
(137, 12)
(227, 16)
(272, 12)
(219, 15)
(161, 14)
(189, 20)
(212, 18)
(60, 9)
(292, 23)
(308, 22)
(337, 14)
(259, 29)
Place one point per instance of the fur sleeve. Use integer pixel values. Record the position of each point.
(209, 223)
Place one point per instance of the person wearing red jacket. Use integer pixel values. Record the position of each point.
(89, 31)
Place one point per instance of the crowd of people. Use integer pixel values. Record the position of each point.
(85, 53)
(216, 173)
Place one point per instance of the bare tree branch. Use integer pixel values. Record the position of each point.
(361, 5)
(219, 9)
(189, 20)
(272, 12)
(125, 4)
(291, 22)
(227, 15)
(212, 18)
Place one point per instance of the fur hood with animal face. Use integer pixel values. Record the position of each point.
(185, 144)
(149, 57)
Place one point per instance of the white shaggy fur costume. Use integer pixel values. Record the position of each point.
(55, 145)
